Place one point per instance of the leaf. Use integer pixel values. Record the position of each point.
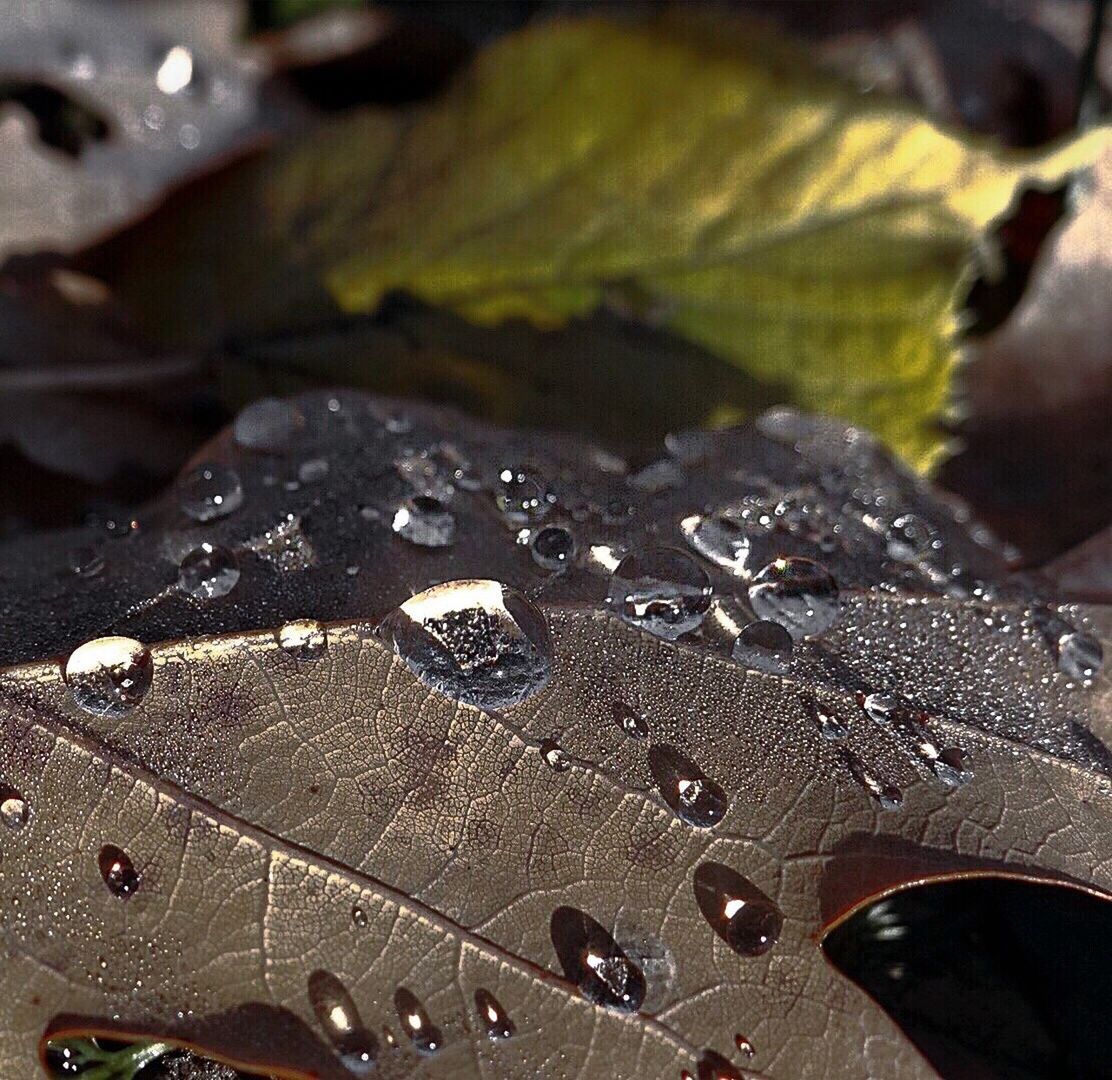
(284, 813)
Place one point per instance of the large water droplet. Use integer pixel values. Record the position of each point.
(268, 424)
(303, 639)
(118, 871)
(520, 498)
(14, 809)
(764, 646)
(660, 590)
(422, 1032)
(336, 1012)
(723, 540)
(208, 571)
(109, 676)
(630, 721)
(797, 593)
(494, 1018)
(694, 797)
(552, 547)
(475, 640)
(210, 491)
(738, 912)
(554, 756)
(713, 1066)
(424, 520)
(595, 962)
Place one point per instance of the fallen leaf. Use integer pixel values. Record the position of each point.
(279, 844)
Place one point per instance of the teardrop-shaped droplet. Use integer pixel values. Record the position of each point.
(630, 721)
(554, 756)
(713, 1066)
(764, 646)
(552, 547)
(694, 797)
(268, 424)
(14, 809)
(493, 1017)
(425, 521)
(210, 492)
(948, 764)
(724, 540)
(336, 1013)
(208, 571)
(475, 641)
(303, 639)
(797, 593)
(595, 962)
(738, 912)
(422, 1032)
(887, 796)
(118, 871)
(830, 727)
(520, 498)
(951, 766)
(744, 1045)
(359, 917)
(660, 590)
(109, 676)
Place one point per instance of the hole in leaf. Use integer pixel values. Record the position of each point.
(62, 121)
(989, 977)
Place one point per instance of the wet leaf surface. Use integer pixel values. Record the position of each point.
(298, 844)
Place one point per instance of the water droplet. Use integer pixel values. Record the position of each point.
(303, 639)
(908, 538)
(359, 917)
(268, 425)
(554, 757)
(210, 492)
(951, 766)
(713, 1066)
(764, 646)
(477, 641)
(14, 809)
(694, 797)
(947, 764)
(830, 727)
(552, 547)
(630, 721)
(738, 912)
(424, 520)
(496, 1020)
(175, 70)
(887, 796)
(109, 676)
(660, 590)
(118, 871)
(884, 708)
(336, 1012)
(723, 540)
(797, 593)
(595, 962)
(519, 498)
(86, 562)
(1079, 655)
(415, 1022)
(312, 471)
(208, 571)
(744, 1045)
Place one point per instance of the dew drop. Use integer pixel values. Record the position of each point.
(595, 962)
(118, 871)
(476, 641)
(764, 646)
(694, 797)
(268, 425)
(713, 1066)
(14, 809)
(908, 538)
(86, 562)
(660, 590)
(630, 721)
(951, 766)
(303, 639)
(737, 911)
(744, 1045)
(337, 1015)
(415, 1022)
(797, 593)
(210, 492)
(723, 540)
(1080, 655)
(830, 727)
(519, 498)
(359, 917)
(552, 547)
(109, 676)
(208, 571)
(554, 757)
(494, 1018)
(425, 521)
(887, 796)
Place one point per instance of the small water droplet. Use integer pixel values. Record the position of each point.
(723, 540)
(909, 538)
(337, 1015)
(175, 70)
(883, 708)
(208, 571)
(86, 562)
(519, 498)
(797, 593)
(477, 641)
(744, 1045)
(595, 962)
(1080, 655)
(109, 676)
(887, 796)
(552, 547)
(713, 1066)
(303, 639)
(359, 917)
(423, 1033)
(764, 646)
(630, 721)
(494, 1018)
(118, 871)
(268, 425)
(737, 911)
(424, 520)
(312, 471)
(210, 492)
(660, 590)
(694, 797)
(14, 809)
(554, 757)
(830, 727)
(951, 766)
